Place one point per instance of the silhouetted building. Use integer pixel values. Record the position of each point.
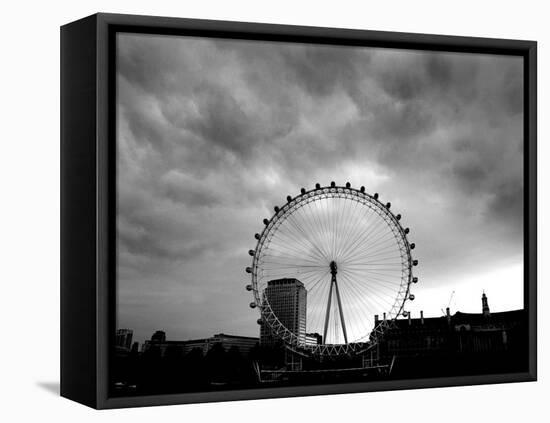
(288, 300)
(123, 338)
(485, 305)
(314, 338)
(243, 343)
(159, 336)
(497, 340)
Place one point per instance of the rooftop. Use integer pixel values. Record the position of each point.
(285, 281)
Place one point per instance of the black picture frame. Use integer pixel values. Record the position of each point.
(88, 195)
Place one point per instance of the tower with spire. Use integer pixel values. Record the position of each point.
(485, 305)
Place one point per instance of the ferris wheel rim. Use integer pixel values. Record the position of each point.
(291, 206)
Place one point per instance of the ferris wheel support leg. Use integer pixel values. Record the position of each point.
(341, 311)
(327, 316)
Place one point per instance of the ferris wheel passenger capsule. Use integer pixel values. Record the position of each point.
(248, 270)
(407, 230)
(412, 246)
(288, 198)
(415, 279)
(375, 196)
(362, 189)
(348, 185)
(276, 208)
(266, 221)
(415, 262)
(257, 236)
(259, 321)
(317, 186)
(405, 313)
(398, 217)
(411, 297)
(388, 205)
(252, 304)
(303, 190)
(249, 287)
(333, 184)
(251, 253)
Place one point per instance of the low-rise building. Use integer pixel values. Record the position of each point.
(243, 343)
(467, 339)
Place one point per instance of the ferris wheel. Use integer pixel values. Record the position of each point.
(326, 263)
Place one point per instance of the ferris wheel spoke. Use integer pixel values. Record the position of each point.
(369, 229)
(340, 225)
(288, 258)
(341, 206)
(370, 237)
(366, 218)
(375, 300)
(346, 223)
(380, 254)
(364, 273)
(350, 232)
(320, 307)
(381, 258)
(313, 213)
(380, 302)
(300, 244)
(380, 285)
(288, 250)
(372, 286)
(378, 242)
(355, 284)
(321, 208)
(390, 288)
(369, 258)
(392, 280)
(317, 283)
(289, 272)
(299, 239)
(306, 237)
(395, 267)
(379, 281)
(356, 313)
(317, 309)
(381, 273)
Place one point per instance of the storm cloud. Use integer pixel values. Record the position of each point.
(211, 134)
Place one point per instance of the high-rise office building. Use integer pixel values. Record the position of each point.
(124, 338)
(288, 300)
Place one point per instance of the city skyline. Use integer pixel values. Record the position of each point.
(483, 305)
(211, 134)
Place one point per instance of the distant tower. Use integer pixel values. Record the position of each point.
(485, 305)
(287, 298)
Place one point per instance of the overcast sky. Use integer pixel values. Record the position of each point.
(213, 133)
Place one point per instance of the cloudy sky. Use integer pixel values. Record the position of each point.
(213, 133)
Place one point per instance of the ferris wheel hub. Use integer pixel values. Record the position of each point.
(333, 268)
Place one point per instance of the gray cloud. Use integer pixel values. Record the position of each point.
(213, 133)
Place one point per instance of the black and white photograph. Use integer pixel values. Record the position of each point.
(297, 214)
(268, 212)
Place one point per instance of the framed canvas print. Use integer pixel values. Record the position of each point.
(257, 211)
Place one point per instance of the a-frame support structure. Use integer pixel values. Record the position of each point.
(334, 286)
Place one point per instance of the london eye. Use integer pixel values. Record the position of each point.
(349, 260)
